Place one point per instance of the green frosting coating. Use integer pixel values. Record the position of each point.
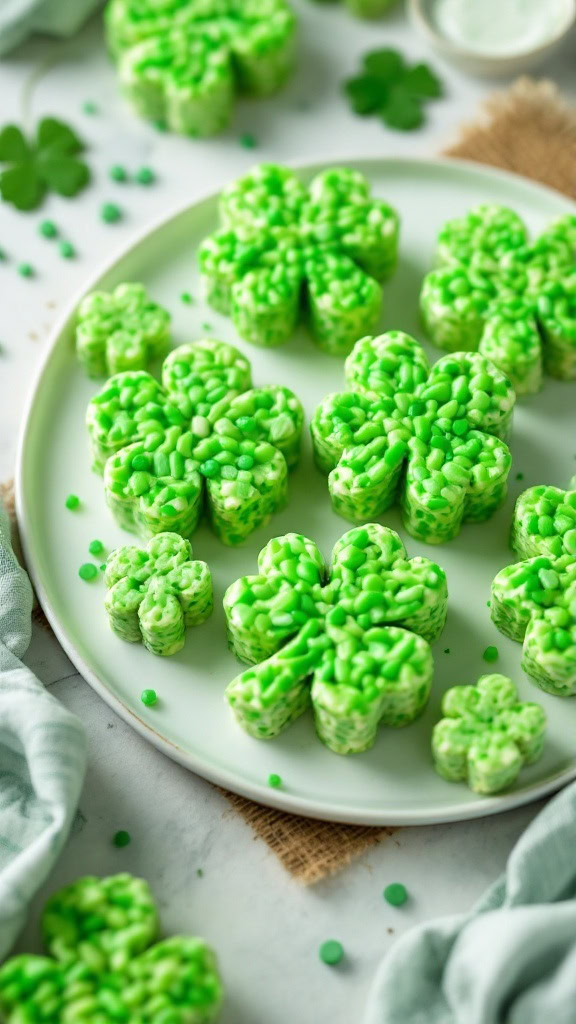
(359, 632)
(120, 330)
(104, 966)
(487, 734)
(286, 250)
(181, 62)
(444, 424)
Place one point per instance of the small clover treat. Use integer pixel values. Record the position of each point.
(445, 424)
(286, 250)
(120, 330)
(487, 734)
(106, 964)
(181, 62)
(359, 632)
(544, 523)
(155, 593)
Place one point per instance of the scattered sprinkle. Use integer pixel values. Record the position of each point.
(487, 604)
(67, 250)
(72, 501)
(103, 567)
(88, 571)
(519, 476)
(48, 229)
(248, 141)
(199, 873)
(491, 654)
(118, 173)
(207, 327)
(160, 126)
(145, 176)
(110, 213)
(2, 254)
(89, 107)
(446, 650)
(149, 697)
(331, 952)
(395, 894)
(122, 839)
(186, 298)
(26, 270)
(275, 781)
(95, 547)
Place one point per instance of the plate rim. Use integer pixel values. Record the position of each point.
(282, 800)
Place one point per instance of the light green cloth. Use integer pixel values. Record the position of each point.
(19, 18)
(512, 960)
(42, 756)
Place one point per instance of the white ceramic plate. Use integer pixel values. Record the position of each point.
(394, 782)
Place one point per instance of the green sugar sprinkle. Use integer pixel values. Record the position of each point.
(248, 141)
(118, 173)
(48, 229)
(26, 270)
(110, 213)
(89, 107)
(491, 654)
(149, 697)
(103, 567)
(88, 571)
(160, 125)
(274, 781)
(199, 873)
(331, 952)
(207, 327)
(121, 839)
(67, 250)
(72, 501)
(446, 650)
(95, 547)
(395, 894)
(145, 176)
(519, 476)
(186, 298)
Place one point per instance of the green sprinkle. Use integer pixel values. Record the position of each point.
(395, 894)
(103, 567)
(160, 125)
(67, 250)
(199, 873)
(491, 654)
(122, 839)
(89, 107)
(207, 327)
(26, 270)
(149, 697)
(95, 547)
(118, 173)
(48, 229)
(110, 213)
(88, 571)
(331, 952)
(274, 781)
(186, 298)
(248, 141)
(72, 501)
(145, 176)
(2, 254)
(446, 650)
(519, 476)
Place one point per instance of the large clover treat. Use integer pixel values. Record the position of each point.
(206, 431)
(513, 300)
(286, 250)
(443, 424)
(338, 629)
(181, 62)
(487, 734)
(155, 593)
(121, 330)
(105, 964)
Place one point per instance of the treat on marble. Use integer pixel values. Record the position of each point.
(487, 734)
(544, 523)
(155, 593)
(286, 250)
(205, 432)
(106, 964)
(444, 424)
(358, 632)
(181, 63)
(120, 330)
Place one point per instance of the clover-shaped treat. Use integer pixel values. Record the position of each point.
(120, 330)
(106, 965)
(155, 593)
(206, 431)
(445, 424)
(513, 300)
(286, 249)
(181, 62)
(487, 734)
(338, 629)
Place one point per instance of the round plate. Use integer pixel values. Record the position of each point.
(395, 782)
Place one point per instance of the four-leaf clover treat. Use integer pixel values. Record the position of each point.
(155, 593)
(121, 330)
(106, 964)
(445, 424)
(286, 249)
(181, 62)
(487, 734)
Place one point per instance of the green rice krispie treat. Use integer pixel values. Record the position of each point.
(488, 231)
(155, 593)
(298, 621)
(487, 734)
(454, 302)
(445, 425)
(106, 967)
(556, 313)
(287, 250)
(181, 62)
(511, 340)
(120, 330)
(544, 523)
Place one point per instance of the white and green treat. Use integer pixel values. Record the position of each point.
(487, 734)
(351, 639)
(428, 438)
(106, 963)
(120, 330)
(510, 299)
(155, 593)
(288, 250)
(205, 438)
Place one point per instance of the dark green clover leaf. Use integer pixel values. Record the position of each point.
(402, 110)
(388, 87)
(50, 163)
(386, 65)
(421, 81)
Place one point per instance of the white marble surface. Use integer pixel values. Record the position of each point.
(266, 928)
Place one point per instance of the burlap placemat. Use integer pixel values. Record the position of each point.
(528, 129)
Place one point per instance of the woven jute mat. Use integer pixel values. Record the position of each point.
(528, 129)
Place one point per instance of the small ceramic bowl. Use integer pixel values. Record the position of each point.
(485, 63)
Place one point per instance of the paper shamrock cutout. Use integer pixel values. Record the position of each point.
(445, 423)
(120, 330)
(206, 433)
(338, 629)
(513, 300)
(105, 963)
(285, 249)
(49, 163)
(487, 734)
(181, 62)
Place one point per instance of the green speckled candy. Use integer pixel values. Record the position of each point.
(155, 593)
(545, 523)
(121, 330)
(446, 423)
(286, 250)
(343, 634)
(487, 734)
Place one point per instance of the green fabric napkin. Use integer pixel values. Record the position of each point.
(20, 18)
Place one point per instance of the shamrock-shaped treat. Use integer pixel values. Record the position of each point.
(444, 423)
(545, 522)
(287, 249)
(181, 62)
(487, 734)
(156, 592)
(106, 965)
(513, 300)
(121, 330)
(205, 431)
(338, 629)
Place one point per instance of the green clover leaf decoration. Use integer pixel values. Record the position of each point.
(48, 163)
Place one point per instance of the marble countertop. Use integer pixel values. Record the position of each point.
(266, 928)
